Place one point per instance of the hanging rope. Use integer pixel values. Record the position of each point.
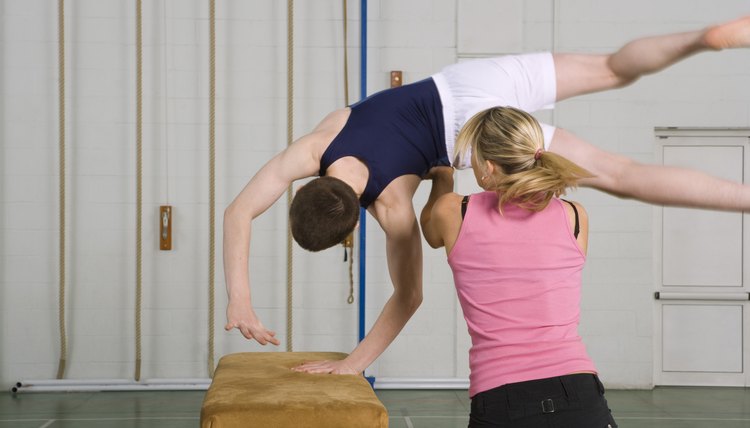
(61, 137)
(212, 181)
(139, 184)
(165, 128)
(349, 243)
(346, 58)
(350, 299)
(289, 139)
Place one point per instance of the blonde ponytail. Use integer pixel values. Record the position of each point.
(526, 174)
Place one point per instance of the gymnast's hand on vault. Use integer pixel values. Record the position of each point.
(244, 319)
(332, 367)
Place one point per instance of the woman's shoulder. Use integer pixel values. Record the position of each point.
(447, 208)
(575, 212)
(448, 202)
(572, 206)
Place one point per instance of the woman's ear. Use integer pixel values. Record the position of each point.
(489, 168)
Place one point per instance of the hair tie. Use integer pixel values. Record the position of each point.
(538, 153)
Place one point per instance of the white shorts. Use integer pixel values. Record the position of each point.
(526, 82)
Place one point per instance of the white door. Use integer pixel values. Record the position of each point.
(701, 281)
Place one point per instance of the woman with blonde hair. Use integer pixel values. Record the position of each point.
(517, 251)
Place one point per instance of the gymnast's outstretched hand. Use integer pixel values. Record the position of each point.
(243, 318)
(327, 366)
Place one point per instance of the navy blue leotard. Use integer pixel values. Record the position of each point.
(394, 132)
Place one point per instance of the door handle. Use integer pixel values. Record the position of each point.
(675, 295)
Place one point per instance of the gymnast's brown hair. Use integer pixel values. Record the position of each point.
(323, 213)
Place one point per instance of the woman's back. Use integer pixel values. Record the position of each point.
(518, 278)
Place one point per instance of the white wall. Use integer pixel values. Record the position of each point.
(417, 37)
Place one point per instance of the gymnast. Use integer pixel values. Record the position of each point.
(517, 251)
(375, 154)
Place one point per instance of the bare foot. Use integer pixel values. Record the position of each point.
(732, 34)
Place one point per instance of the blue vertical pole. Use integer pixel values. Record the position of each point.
(362, 211)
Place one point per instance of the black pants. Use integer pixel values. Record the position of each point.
(572, 401)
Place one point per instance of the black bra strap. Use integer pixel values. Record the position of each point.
(464, 204)
(575, 210)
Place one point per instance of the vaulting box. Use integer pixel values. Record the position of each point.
(258, 389)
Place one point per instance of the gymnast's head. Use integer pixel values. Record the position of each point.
(323, 213)
(507, 152)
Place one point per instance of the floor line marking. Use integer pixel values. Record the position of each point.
(408, 422)
(49, 421)
(674, 418)
(407, 419)
(644, 418)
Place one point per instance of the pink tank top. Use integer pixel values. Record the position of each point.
(518, 278)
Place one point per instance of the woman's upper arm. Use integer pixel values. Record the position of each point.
(445, 220)
(432, 229)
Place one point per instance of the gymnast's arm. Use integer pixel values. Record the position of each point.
(657, 184)
(404, 257)
(298, 161)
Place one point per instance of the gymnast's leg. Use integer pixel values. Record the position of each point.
(616, 174)
(656, 184)
(578, 74)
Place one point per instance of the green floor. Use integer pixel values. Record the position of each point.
(660, 408)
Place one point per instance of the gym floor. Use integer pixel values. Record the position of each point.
(663, 407)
